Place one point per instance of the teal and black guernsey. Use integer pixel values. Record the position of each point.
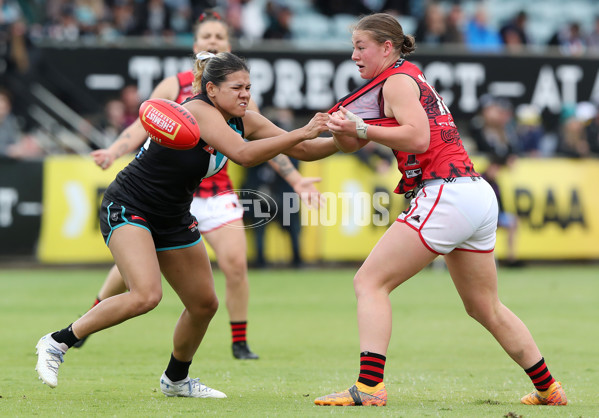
(161, 180)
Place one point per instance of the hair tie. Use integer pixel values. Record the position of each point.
(204, 55)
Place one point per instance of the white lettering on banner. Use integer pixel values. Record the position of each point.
(262, 78)
(569, 75)
(440, 74)
(8, 199)
(319, 75)
(546, 92)
(288, 89)
(469, 76)
(318, 83)
(145, 70)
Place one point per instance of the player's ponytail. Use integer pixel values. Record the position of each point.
(385, 27)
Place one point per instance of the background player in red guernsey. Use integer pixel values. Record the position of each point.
(453, 211)
(215, 205)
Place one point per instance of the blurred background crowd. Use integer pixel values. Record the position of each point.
(504, 26)
(486, 25)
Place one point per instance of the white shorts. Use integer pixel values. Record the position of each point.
(216, 211)
(461, 214)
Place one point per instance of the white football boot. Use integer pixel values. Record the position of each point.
(49, 357)
(189, 388)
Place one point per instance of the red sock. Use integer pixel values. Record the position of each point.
(238, 331)
(540, 376)
(372, 368)
(96, 301)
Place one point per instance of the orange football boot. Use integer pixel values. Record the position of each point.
(357, 395)
(554, 395)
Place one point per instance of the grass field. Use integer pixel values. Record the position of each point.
(303, 325)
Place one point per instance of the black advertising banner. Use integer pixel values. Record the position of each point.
(309, 81)
(20, 206)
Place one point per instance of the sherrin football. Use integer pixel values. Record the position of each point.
(169, 124)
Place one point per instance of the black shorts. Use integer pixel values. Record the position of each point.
(168, 232)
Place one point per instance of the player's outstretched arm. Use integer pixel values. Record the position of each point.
(130, 139)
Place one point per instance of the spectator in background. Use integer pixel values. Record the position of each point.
(506, 220)
(264, 179)
(13, 143)
(246, 19)
(131, 101)
(88, 14)
(154, 18)
(279, 21)
(569, 39)
(513, 33)
(113, 120)
(454, 32)
(529, 128)
(593, 38)
(333, 7)
(493, 128)
(480, 35)
(573, 141)
(431, 28)
(124, 19)
(592, 132)
(65, 27)
(10, 133)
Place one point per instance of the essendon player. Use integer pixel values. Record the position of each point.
(453, 211)
(215, 205)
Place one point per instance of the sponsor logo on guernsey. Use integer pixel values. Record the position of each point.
(193, 226)
(161, 122)
(413, 173)
(209, 149)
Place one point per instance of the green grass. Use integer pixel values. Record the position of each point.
(303, 325)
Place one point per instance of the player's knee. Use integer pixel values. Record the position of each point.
(146, 302)
(205, 309)
(235, 268)
(362, 284)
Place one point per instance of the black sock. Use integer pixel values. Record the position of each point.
(177, 370)
(66, 336)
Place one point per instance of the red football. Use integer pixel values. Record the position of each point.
(169, 124)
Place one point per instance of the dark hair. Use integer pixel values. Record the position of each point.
(216, 69)
(385, 27)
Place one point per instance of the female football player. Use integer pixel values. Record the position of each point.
(146, 223)
(453, 212)
(215, 205)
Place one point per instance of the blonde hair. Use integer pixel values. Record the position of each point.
(385, 27)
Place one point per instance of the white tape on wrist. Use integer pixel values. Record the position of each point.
(361, 126)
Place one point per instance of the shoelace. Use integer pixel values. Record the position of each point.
(56, 357)
(196, 382)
